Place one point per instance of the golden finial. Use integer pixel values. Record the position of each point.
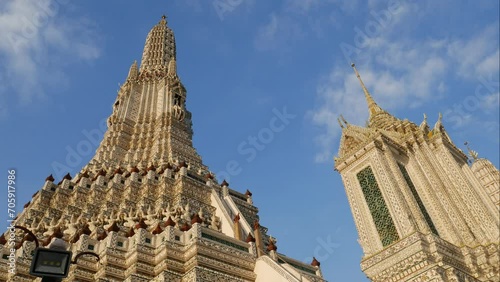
(372, 106)
(163, 19)
(472, 153)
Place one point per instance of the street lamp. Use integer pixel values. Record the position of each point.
(52, 264)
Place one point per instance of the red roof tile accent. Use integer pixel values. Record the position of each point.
(271, 246)
(130, 233)
(170, 222)
(114, 227)
(157, 229)
(196, 219)
(250, 238)
(142, 224)
(102, 236)
(315, 262)
(256, 225)
(50, 178)
(185, 227)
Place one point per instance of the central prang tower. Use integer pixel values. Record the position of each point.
(146, 204)
(150, 124)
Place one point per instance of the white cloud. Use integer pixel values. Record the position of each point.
(295, 20)
(38, 42)
(279, 31)
(489, 102)
(400, 73)
(477, 56)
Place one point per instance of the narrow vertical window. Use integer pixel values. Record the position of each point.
(378, 209)
(417, 198)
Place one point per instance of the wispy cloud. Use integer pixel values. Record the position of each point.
(478, 55)
(37, 44)
(401, 73)
(294, 21)
(278, 32)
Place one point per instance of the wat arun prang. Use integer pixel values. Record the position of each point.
(146, 203)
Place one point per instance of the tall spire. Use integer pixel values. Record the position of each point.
(150, 123)
(372, 106)
(159, 48)
(379, 118)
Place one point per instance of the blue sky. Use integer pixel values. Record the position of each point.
(241, 61)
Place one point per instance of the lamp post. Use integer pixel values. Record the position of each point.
(52, 264)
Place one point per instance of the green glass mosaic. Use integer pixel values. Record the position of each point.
(375, 201)
(417, 198)
(224, 242)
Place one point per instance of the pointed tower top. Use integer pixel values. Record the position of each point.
(379, 118)
(372, 106)
(159, 48)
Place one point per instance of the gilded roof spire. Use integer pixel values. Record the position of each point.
(372, 106)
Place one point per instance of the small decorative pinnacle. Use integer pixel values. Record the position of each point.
(256, 225)
(170, 222)
(248, 193)
(343, 120)
(250, 238)
(272, 246)
(157, 229)
(196, 219)
(102, 236)
(315, 262)
(142, 224)
(473, 154)
(224, 183)
(185, 227)
(340, 123)
(3, 241)
(67, 176)
(50, 178)
(114, 227)
(130, 233)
